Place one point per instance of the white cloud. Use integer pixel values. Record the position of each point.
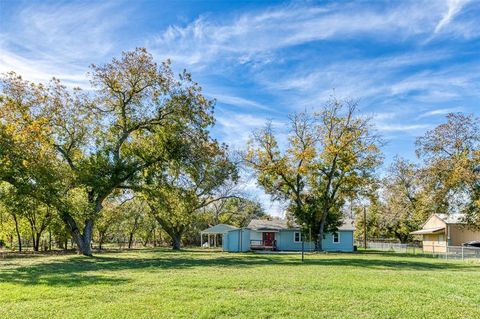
(402, 127)
(236, 128)
(454, 7)
(39, 70)
(256, 35)
(61, 40)
(240, 102)
(439, 112)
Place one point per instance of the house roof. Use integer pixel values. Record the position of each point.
(428, 231)
(280, 224)
(219, 229)
(275, 224)
(452, 218)
(348, 224)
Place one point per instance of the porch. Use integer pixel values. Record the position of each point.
(256, 244)
(263, 240)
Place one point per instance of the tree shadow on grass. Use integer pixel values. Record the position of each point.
(79, 270)
(68, 273)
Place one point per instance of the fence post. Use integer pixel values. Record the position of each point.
(433, 249)
(446, 252)
(462, 254)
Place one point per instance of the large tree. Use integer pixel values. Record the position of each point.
(330, 157)
(405, 207)
(451, 153)
(176, 195)
(105, 139)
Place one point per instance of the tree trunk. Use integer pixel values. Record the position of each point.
(100, 240)
(36, 242)
(174, 233)
(130, 240)
(49, 239)
(176, 242)
(154, 237)
(82, 240)
(321, 230)
(18, 233)
(401, 237)
(147, 238)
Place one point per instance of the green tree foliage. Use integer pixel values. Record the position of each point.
(405, 208)
(236, 211)
(451, 154)
(105, 139)
(446, 182)
(330, 157)
(25, 210)
(176, 195)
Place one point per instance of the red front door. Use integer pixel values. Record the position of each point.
(268, 239)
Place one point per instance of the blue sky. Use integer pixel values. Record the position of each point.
(407, 62)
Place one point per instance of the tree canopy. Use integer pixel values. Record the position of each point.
(330, 157)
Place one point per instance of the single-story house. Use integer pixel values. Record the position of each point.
(442, 230)
(282, 235)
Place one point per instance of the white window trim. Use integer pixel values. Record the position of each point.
(333, 238)
(299, 237)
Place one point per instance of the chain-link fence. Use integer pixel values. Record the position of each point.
(440, 251)
(460, 253)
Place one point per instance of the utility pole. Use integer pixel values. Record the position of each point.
(364, 227)
(303, 250)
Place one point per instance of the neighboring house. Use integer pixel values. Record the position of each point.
(441, 230)
(284, 236)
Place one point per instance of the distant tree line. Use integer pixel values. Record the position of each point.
(445, 180)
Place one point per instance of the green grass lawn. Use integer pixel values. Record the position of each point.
(200, 284)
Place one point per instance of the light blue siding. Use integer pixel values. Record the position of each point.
(236, 240)
(239, 240)
(286, 241)
(345, 244)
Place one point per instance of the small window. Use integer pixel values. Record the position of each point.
(440, 239)
(297, 237)
(336, 238)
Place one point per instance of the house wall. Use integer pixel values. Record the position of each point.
(434, 243)
(433, 222)
(460, 234)
(255, 235)
(237, 240)
(345, 244)
(286, 241)
(457, 235)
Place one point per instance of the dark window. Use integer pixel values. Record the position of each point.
(336, 238)
(297, 237)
